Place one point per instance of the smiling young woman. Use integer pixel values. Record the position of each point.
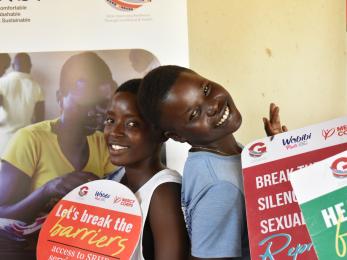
(135, 145)
(190, 108)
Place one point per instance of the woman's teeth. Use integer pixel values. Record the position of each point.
(224, 117)
(117, 147)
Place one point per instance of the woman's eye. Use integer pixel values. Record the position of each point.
(108, 121)
(194, 114)
(206, 89)
(132, 124)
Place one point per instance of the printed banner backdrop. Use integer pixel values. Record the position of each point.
(43, 26)
(48, 25)
(276, 225)
(324, 204)
(97, 220)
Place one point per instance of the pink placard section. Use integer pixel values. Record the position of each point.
(276, 226)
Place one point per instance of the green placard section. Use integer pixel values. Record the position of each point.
(326, 220)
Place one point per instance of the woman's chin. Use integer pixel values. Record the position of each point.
(118, 162)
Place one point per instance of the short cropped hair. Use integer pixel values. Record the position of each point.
(86, 66)
(131, 86)
(155, 87)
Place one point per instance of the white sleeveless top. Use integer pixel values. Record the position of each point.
(144, 195)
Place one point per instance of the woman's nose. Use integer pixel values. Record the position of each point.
(117, 129)
(212, 107)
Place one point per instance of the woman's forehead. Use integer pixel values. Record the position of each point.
(125, 104)
(124, 98)
(188, 75)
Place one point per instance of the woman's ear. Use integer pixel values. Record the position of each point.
(174, 136)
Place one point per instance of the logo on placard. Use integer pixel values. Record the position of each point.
(123, 201)
(99, 195)
(257, 150)
(83, 191)
(127, 202)
(339, 131)
(117, 200)
(339, 167)
(296, 141)
(326, 133)
(127, 5)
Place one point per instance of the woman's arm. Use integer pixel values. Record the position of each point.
(16, 201)
(166, 219)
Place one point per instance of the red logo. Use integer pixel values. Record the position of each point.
(123, 201)
(339, 131)
(339, 167)
(117, 200)
(256, 150)
(83, 191)
(326, 133)
(127, 5)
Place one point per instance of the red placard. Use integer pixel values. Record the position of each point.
(276, 226)
(100, 220)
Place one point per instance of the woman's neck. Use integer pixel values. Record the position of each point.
(224, 146)
(136, 175)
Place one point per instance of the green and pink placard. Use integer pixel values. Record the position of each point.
(321, 191)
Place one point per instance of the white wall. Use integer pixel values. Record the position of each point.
(291, 52)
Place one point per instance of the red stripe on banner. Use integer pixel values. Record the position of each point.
(128, 5)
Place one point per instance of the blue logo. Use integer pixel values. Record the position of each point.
(296, 141)
(99, 195)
